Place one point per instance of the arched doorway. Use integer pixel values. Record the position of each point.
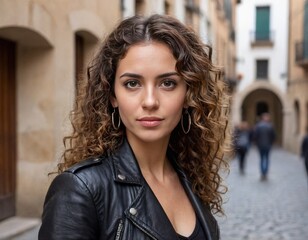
(24, 53)
(7, 128)
(260, 101)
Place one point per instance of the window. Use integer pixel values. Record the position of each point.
(167, 8)
(297, 117)
(79, 60)
(139, 7)
(262, 69)
(192, 13)
(188, 17)
(263, 23)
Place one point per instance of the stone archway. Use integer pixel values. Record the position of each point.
(260, 101)
(31, 78)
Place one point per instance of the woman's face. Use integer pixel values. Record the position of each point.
(149, 93)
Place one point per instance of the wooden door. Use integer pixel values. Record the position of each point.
(7, 128)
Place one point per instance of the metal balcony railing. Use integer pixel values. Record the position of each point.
(262, 38)
(301, 53)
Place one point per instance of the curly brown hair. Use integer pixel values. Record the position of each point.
(201, 151)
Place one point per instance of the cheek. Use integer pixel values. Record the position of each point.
(126, 107)
(177, 107)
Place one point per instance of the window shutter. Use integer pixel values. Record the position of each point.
(263, 23)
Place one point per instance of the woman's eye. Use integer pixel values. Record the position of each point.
(168, 84)
(132, 84)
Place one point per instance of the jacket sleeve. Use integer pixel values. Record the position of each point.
(69, 211)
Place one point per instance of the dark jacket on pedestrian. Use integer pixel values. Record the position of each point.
(304, 148)
(242, 138)
(264, 134)
(107, 198)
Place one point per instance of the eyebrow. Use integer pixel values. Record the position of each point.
(134, 75)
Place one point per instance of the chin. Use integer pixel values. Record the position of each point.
(152, 137)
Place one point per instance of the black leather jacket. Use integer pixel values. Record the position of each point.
(107, 198)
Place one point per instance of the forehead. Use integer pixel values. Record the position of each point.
(149, 55)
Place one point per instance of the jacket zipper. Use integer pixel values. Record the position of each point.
(119, 230)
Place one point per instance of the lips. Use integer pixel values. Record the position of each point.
(150, 121)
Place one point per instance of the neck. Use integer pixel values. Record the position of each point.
(151, 157)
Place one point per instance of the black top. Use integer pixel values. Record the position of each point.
(197, 234)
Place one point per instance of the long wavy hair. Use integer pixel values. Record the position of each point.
(200, 152)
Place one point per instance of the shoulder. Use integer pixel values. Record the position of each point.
(92, 172)
(88, 177)
(85, 164)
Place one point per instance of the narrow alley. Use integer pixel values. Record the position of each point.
(276, 209)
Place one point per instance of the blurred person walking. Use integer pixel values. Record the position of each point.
(304, 150)
(264, 135)
(242, 140)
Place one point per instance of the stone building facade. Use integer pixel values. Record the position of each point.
(262, 58)
(38, 42)
(297, 74)
(44, 46)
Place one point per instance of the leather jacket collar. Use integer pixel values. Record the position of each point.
(126, 171)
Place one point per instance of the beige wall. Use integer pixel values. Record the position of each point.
(298, 79)
(44, 32)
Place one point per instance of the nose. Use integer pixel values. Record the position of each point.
(150, 98)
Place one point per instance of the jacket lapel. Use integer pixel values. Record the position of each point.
(145, 211)
(203, 213)
(148, 215)
(207, 221)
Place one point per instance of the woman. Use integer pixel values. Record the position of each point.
(147, 142)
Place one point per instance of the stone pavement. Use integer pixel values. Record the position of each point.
(276, 209)
(19, 228)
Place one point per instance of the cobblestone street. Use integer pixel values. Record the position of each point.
(276, 209)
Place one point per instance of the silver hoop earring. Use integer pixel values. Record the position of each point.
(116, 127)
(189, 121)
